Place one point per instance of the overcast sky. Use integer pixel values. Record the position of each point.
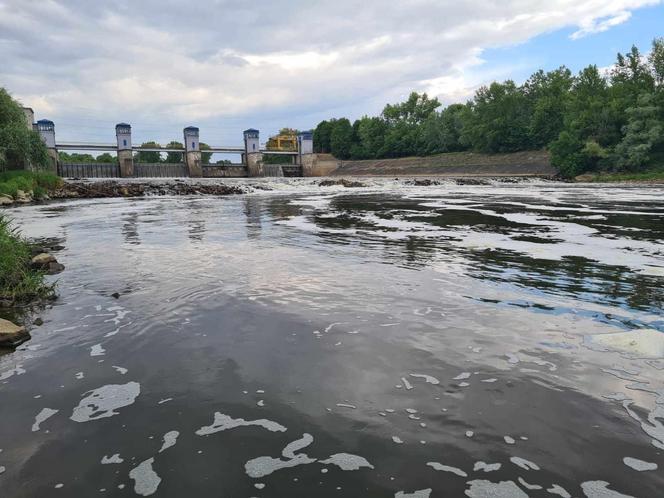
(227, 65)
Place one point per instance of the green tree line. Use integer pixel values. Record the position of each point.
(19, 144)
(589, 121)
(142, 157)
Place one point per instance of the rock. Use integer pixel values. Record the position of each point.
(23, 197)
(55, 267)
(116, 295)
(471, 181)
(38, 322)
(425, 182)
(343, 181)
(12, 335)
(42, 261)
(5, 200)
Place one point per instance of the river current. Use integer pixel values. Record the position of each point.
(502, 340)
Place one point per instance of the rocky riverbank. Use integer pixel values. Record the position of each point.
(91, 190)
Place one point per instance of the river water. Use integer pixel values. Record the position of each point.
(482, 341)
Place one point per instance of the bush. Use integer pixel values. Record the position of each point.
(13, 181)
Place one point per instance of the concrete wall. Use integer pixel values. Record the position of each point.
(225, 171)
(318, 164)
(126, 161)
(192, 159)
(255, 164)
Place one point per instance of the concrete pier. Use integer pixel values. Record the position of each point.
(252, 153)
(125, 156)
(192, 154)
(46, 129)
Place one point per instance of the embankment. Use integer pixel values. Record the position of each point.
(530, 163)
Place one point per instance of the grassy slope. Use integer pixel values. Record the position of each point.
(528, 163)
(39, 182)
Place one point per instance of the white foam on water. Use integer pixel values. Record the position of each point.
(411, 410)
(42, 416)
(165, 400)
(599, 489)
(266, 465)
(59, 486)
(397, 439)
(2, 469)
(259, 485)
(486, 467)
(293, 447)
(447, 468)
(260, 402)
(224, 422)
(146, 480)
(347, 461)
(79, 375)
(427, 378)
(470, 433)
(170, 438)
(112, 459)
(346, 405)
(639, 465)
(653, 426)
(480, 488)
(641, 343)
(463, 384)
(406, 384)
(103, 401)
(489, 381)
(17, 370)
(422, 493)
(523, 463)
(120, 370)
(512, 358)
(462, 376)
(555, 489)
(528, 485)
(509, 439)
(97, 350)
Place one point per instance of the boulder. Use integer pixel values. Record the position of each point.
(55, 267)
(23, 197)
(5, 200)
(42, 261)
(12, 335)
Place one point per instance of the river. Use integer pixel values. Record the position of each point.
(394, 340)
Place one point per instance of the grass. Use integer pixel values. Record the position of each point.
(39, 182)
(645, 176)
(18, 282)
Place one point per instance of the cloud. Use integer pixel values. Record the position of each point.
(226, 64)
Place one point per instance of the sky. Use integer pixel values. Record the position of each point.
(224, 66)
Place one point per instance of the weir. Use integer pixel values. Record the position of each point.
(251, 154)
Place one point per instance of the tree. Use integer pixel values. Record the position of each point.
(499, 119)
(106, 158)
(643, 134)
(205, 156)
(415, 110)
(175, 157)
(148, 157)
(321, 137)
(548, 97)
(341, 138)
(19, 145)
